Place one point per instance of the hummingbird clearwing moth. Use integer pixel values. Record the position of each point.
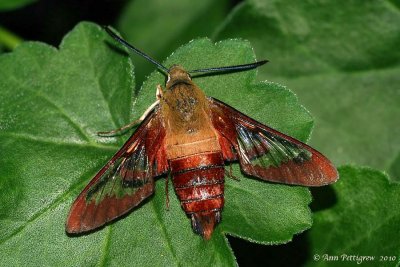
(190, 136)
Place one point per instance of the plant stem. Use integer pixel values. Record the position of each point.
(8, 39)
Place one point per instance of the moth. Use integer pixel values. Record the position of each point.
(191, 137)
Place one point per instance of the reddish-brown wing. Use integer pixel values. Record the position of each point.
(125, 181)
(266, 153)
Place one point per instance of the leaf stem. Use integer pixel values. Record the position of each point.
(9, 39)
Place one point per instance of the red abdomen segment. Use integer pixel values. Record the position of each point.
(199, 183)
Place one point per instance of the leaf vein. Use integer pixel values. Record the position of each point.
(56, 142)
(106, 247)
(164, 232)
(57, 201)
(96, 79)
(52, 103)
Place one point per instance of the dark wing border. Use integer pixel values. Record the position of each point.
(125, 181)
(247, 140)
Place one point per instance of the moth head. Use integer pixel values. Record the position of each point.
(177, 74)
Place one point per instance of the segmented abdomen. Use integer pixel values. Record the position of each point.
(199, 183)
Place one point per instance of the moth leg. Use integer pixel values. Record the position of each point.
(230, 173)
(132, 124)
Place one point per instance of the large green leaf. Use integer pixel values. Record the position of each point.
(342, 59)
(52, 103)
(363, 221)
(160, 26)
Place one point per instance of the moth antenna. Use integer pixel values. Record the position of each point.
(232, 68)
(134, 49)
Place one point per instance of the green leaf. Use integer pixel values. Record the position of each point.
(342, 59)
(52, 103)
(159, 27)
(13, 4)
(363, 221)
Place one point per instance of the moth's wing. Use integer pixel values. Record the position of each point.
(125, 181)
(266, 153)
